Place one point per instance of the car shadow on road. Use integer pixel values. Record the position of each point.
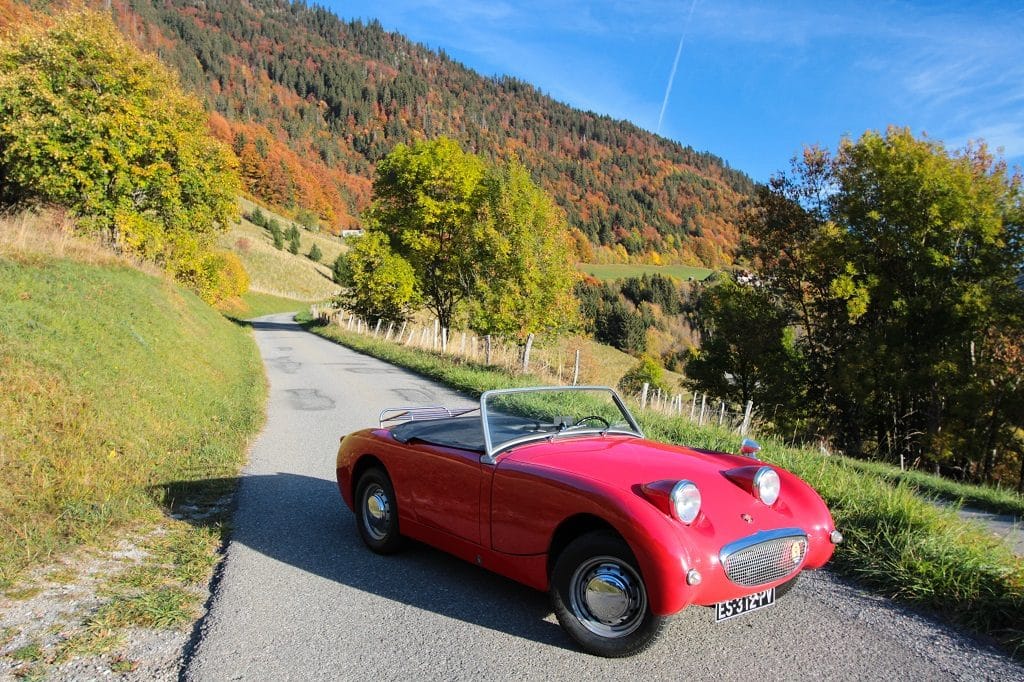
(302, 521)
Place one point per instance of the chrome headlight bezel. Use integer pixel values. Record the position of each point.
(767, 486)
(685, 501)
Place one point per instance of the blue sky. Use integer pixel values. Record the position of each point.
(756, 80)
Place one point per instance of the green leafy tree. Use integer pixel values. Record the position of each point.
(426, 203)
(526, 275)
(746, 352)
(897, 259)
(89, 122)
(315, 254)
(481, 239)
(276, 235)
(378, 284)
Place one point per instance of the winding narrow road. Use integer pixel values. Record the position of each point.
(299, 597)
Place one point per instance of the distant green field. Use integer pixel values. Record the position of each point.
(619, 271)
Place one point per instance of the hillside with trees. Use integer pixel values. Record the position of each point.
(311, 103)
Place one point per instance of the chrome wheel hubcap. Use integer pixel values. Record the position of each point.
(376, 512)
(608, 597)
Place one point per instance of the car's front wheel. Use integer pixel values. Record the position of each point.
(377, 512)
(600, 598)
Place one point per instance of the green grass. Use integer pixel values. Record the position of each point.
(254, 304)
(29, 653)
(116, 384)
(997, 500)
(621, 271)
(897, 542)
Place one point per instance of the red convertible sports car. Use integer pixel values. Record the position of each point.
(557, 488)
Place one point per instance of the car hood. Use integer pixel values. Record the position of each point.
(627, 462)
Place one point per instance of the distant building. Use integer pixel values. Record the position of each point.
(351, 233)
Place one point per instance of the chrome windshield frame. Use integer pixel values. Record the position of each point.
(492, 450)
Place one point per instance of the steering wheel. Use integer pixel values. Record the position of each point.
(583, 420)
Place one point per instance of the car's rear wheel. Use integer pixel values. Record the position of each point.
(600, 598)
(377, 512)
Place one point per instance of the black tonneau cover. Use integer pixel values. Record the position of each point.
(466, 433)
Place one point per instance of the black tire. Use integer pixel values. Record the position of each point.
(377, 512)
(613, 621)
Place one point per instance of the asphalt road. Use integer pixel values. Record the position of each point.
(300, 598)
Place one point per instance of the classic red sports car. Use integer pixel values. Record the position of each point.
(557, 488)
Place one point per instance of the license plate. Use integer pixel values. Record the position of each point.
(737, 607)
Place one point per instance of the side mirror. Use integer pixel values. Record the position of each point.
(750, 448)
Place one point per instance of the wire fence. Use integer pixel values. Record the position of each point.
(549, 364)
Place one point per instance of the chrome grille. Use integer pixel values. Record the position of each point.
(764, 557)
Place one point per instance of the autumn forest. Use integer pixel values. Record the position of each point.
(311, 103)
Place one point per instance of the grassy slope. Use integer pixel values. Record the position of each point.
(278, 272)
(254, 304)
(602, 364)
(897, 542)
(620, 271)
(114, 383)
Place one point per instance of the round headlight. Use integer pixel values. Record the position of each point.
(685, 501)
(767, 485)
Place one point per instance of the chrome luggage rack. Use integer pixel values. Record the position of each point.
(412, 414)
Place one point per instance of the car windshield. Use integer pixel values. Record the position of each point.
(521, 415)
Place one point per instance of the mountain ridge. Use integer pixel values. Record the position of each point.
(310, 102)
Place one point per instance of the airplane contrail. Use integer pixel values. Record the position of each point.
(675, 65)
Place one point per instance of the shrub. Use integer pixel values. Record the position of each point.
(647, 371)
(219, 276)
(315, 254)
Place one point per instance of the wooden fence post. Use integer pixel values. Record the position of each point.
(487, 350)
(643, 396)
(401, 332)
(437, 325)
(703, 401)
(693, 406)
(376, 330)
(391, 328)
(526, 353)
(576, 369)
(462, 345)
(745, 426)
(721, 414)
(444, 339)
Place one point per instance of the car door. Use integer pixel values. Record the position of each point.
(445, 487)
